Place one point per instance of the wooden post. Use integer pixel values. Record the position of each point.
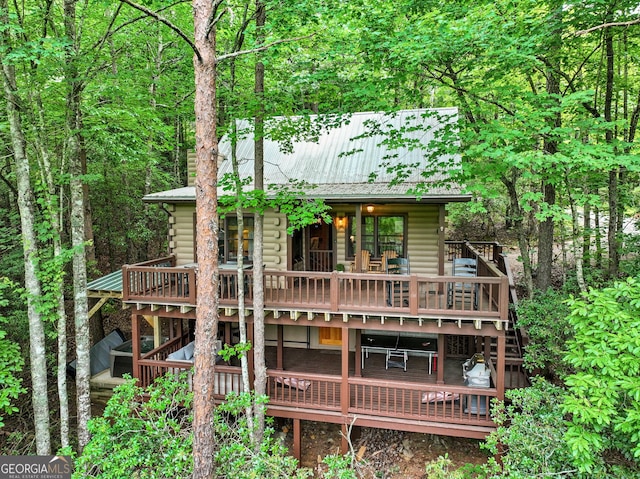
(441, 246)
(297, 439)
(280, 348)
(441, 354)
(344, 388)
(227, 333)
(344, 443)
(358, 245)
(500, 367)
(135, 346)
(413, 295)
(334, 291)
(358, 354)
(487, 347)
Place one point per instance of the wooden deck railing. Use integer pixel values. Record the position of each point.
(365, 396)
(486, 296)
(442, 403)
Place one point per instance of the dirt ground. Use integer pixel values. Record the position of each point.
(385, 454)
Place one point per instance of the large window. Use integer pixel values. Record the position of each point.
(379, 234)
(228, 242)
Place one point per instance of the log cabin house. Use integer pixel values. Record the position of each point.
(348, 340)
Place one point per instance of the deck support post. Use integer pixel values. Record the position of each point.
(344, 387)
(487, 347)
(344, 443)
(440, 363)
(297, 439)
(280, 348)
(227, 333)
(501, 366)
(358, 356)
(135, 346)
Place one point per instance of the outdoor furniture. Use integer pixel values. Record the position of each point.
(465, 288)
(398, 290)
(439, 396)
(396, 359)
(386, 256)
(397, 349)
(302, 384)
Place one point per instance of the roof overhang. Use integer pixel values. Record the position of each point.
(333, 194)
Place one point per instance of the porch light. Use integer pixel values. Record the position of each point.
(340, 220)
(370, 208)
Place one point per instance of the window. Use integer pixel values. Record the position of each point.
(228, 242)
(379, 234)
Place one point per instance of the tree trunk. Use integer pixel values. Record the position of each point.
(77, 187)
(206, 238)
(550, 148)
(26, 200)
(612, 236)
(260, 369)
(53, 207)
(523, 240)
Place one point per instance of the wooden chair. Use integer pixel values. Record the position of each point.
(386, 256)
(366, 259)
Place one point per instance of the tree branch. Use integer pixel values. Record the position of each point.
(215, 17)
(261, 48)
(607, 25)
(161, 19)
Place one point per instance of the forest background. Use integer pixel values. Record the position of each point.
(99, 110)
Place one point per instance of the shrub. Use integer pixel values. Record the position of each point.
(530, 434)
(545, 319)
(603, 397)
(141, 438)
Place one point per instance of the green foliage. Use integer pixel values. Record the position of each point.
(11, 362)
(237, 350)
(11, 262)
(290, 199)
(147, 433)
(530, 433)
(236, 456)
(544, 317)
(443, 468)
(143, 437)
(603, 397)
(338, 467)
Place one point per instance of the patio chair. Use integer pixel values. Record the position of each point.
(396, 358)
(467, 288)
(398, 290)
(365, 260)
(386, 256)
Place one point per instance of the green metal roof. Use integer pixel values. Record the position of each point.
(110, 282)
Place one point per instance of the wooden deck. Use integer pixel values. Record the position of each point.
(310, 387)
(478, 299)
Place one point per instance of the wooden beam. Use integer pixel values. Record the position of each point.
(98, 305)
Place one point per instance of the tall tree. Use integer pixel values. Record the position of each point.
(77, 188)
(205, 15)
(26, 204)
(260, 368)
